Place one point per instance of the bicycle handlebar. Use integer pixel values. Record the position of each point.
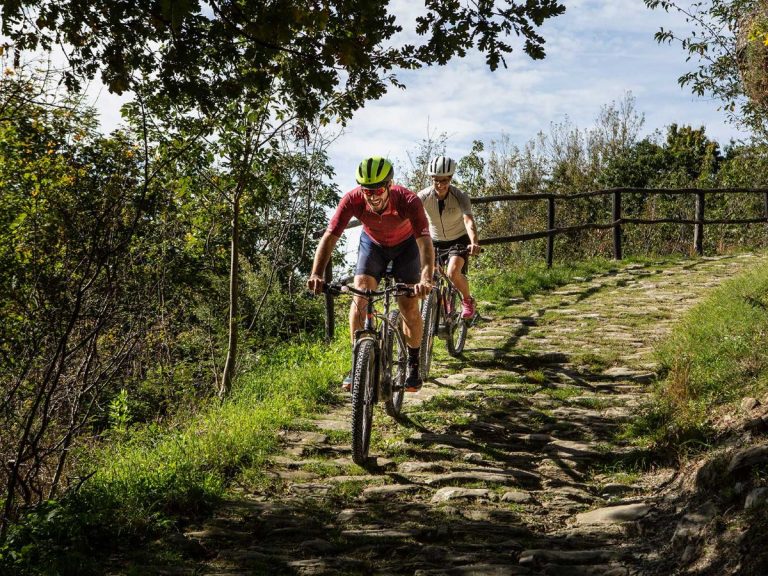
(337, 288)
(458, 249)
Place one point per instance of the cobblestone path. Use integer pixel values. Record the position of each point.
(509, 461)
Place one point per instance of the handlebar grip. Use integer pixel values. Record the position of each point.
(332, 289)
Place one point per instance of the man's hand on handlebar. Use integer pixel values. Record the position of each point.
(315, 284)
(422, 289)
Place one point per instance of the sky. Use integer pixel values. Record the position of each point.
(597, 52)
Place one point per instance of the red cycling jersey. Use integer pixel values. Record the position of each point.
(404, 216)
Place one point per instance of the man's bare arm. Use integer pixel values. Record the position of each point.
(322, 257)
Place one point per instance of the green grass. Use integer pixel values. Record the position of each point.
(715, 356)
(165, 470)
(497, 286)
(535, 377)
(147, 479)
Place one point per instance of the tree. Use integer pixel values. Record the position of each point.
(312, 52)
(715, 44)
(416, 176)
(253, 70)
(70, 285)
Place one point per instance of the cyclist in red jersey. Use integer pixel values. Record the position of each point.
(395, 229)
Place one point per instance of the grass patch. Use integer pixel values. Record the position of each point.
(563, 392)
(147, 480)
(715, 356)
(595, 362)
(152, 470)
(525, 281)
(535, 377)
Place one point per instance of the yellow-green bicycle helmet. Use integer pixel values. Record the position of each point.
(374, 172)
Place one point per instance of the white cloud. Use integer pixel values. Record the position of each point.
(596, 52)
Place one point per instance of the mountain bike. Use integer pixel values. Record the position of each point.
(441, 312)
(379, 359)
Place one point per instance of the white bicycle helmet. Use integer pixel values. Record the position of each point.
(442, 166)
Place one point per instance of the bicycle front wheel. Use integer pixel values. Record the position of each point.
(429, 317)
(457, 326)
(397, 355)
(362, 399)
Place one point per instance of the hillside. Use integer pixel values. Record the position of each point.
(510, 461)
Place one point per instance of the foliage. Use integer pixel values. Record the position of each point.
(296, 52)
(714, 44)
(113, 268)
(70, 286)
(417, 177)
(564, 160)
(752, 42)
(610, 154)
(147, 482)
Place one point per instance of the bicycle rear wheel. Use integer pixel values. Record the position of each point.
(457, 326)
(429, 317)
(397, 354)
(362, 399)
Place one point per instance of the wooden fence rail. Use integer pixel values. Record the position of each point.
(617, 221)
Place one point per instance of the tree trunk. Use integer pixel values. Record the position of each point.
(229, 366)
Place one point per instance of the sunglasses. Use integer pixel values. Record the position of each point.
(375, 191)
(441, 180)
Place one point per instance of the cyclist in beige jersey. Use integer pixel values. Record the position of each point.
(451, 223)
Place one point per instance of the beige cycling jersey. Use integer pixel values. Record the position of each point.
(448, 224)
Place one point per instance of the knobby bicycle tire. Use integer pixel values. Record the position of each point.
(397, 355)
(429, 316)
(457, 327)
(362, 399)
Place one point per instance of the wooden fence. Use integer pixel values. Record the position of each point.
(617, 219)
(617, 222)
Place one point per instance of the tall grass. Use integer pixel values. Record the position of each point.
(142, 481)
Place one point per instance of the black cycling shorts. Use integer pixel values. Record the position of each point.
(461, 243)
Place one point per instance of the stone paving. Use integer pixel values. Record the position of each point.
(509, 461)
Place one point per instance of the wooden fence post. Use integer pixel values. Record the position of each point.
(765, 201)
(698, 228)
(617, 224)
(330, 319)
(550, 226)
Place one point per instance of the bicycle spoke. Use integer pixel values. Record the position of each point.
(429, 316)
(457, 328)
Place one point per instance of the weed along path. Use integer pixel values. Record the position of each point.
(509, 461)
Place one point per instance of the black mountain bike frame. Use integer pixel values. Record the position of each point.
(441, 312)
(379, 359)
